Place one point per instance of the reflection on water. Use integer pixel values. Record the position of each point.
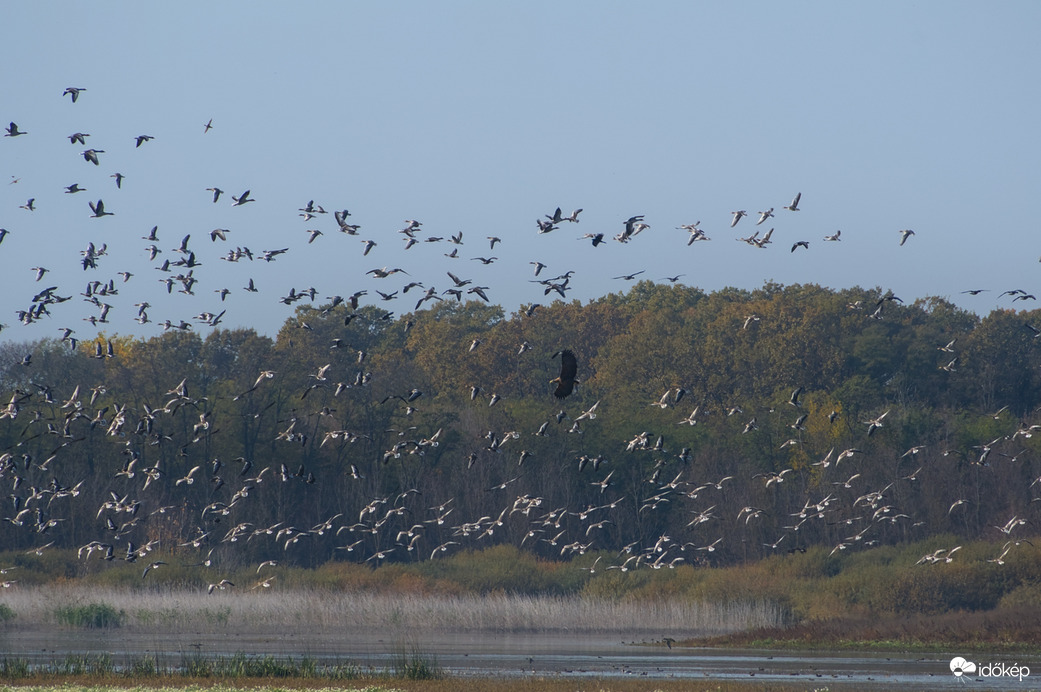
(504, 654)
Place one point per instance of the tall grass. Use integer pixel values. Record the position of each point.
(198, 666)
(503, 589)
(303, 610)
(414, 665)
(244, 666)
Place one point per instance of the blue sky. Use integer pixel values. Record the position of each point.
(483, 117)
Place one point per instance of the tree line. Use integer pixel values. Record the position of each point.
(706, 427)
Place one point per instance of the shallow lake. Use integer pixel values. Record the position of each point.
(521, 654)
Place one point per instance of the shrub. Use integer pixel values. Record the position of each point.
(92, 615)
(502, 568)
(1022, 597)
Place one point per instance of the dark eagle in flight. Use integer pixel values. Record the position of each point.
(568, 369)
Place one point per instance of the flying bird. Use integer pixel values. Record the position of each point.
(99, 209)
(568, 370)
(794, 206)
(794, 400)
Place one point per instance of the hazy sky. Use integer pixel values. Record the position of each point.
(481, 117)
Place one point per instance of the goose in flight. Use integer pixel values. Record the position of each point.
(761, 243)
(78, 138)
(13, 131)
(794, 206)
(696, 233)
(73, 92)
(751, 240)
(664, 401)
(74, 188)
(99, 209)
(154, 565)
(904, 235)
(208, 126)
(801, 243)
(242, 199)
(875, 423)
(691, 419)
(764, 215)
(141, 139)
(834, 236)
(221, 585)
(633, 225)
(630, 277)
(737, 217)
(794, 400)
(91, 155)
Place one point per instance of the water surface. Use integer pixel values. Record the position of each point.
(578, 655)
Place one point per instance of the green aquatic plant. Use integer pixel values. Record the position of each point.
(92, 615)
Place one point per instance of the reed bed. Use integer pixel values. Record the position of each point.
(321, 610)
(534, 684)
